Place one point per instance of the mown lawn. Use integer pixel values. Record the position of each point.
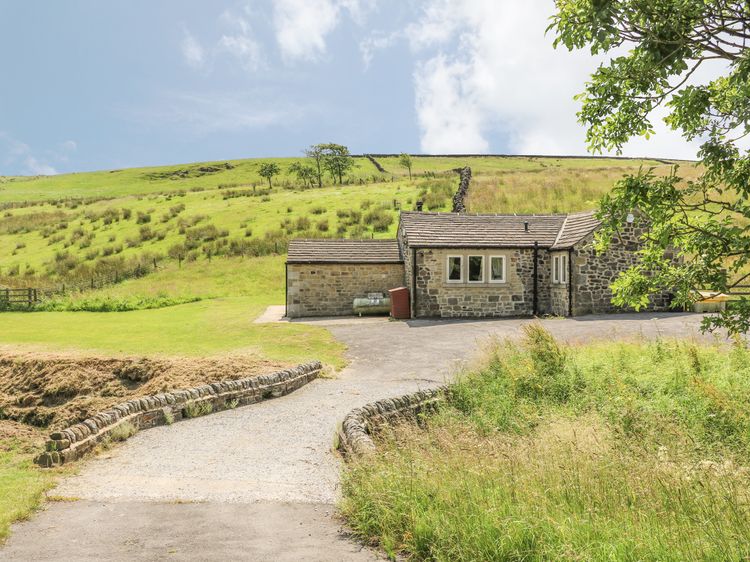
(234, 292)
(615, 451)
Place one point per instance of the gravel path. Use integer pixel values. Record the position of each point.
(266, 474)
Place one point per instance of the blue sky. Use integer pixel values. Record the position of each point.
(93, 85)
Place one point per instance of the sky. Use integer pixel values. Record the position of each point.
(90, 85)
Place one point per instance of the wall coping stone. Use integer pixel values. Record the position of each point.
(145, 412)
(355, 433)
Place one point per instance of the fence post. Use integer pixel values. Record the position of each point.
(31, 292)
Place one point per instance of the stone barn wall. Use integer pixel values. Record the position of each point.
(329, 289)
(593, 273)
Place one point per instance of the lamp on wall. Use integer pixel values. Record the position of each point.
(630, 218)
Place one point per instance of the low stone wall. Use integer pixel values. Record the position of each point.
(355, 434)
(165, 408)
(459, 199)
(376, 164)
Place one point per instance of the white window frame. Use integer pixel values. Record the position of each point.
(505, 272)
(448, 269)
(481, 269)
(560, 269)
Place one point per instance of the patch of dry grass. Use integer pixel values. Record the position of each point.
(56, 390)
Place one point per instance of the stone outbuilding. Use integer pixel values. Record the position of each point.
(459, 265)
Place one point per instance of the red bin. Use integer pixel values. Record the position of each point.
(400, 305)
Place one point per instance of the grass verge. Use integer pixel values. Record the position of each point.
(22, 484)
(617, 451)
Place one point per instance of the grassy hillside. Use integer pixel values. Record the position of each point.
(611, 451)
(102, 226)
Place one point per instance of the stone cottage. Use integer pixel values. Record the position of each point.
(467, 266)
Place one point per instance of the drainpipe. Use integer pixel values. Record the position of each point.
(536, 280)
(413, 282)
(570, 282)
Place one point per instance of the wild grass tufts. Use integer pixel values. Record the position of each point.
(616, 451)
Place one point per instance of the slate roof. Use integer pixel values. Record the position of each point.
(327, 250)
(453, 230)
(576, 227)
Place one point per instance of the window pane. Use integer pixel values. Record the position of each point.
(496, 267)
(556, 273)
(454, 268)
(475, 268)
(564, 268)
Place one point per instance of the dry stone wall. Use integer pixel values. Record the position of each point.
(459, 199)
(74, 442)
(355, 434)
(330, 289)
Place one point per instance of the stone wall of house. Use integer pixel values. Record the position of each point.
(559, 292)
(330, 289)
(437, 298)
(593, 273)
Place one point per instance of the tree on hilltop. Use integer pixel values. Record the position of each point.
(305, 173)
(315, 152)
(658, 46)
(268, 170)
(405, 161)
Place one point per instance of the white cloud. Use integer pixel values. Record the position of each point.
(221, 112)
(449, 117)
(487, 68)
(370, 45)
(302, 26)
(240, 41)
(37, 168)
(18, 155)
(69, 146)
(192, 50)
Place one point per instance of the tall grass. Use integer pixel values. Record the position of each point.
(619, 451)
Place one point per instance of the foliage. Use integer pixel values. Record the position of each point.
(305, 173)
(663, 52)
(405, 161)
(642, 457)
(336, 160)
(268, 170)
(107, 303)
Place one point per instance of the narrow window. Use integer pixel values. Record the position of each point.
(556, 269)
(476, 269)
(454, 269)
(560, 269)
(497, 269)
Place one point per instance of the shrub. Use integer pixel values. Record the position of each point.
(318, 210)
(379, 219)
(123, 431)
(197, 409)
(143, 218)
(303, 223)
(322, 225)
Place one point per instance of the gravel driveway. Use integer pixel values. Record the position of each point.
(261, 482)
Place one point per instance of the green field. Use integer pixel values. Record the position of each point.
(196, 252)
(611, 451)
